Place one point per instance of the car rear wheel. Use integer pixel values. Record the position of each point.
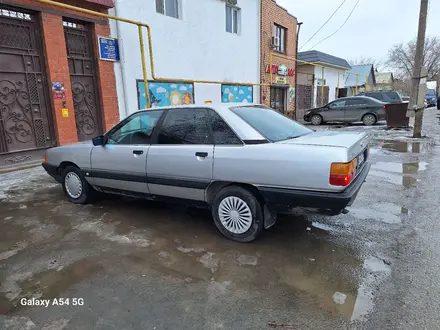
(76, 188)
(238, 214)
(316, 120)
(369, 119)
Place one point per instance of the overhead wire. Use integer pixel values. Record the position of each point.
(331, 35)
(342, 3)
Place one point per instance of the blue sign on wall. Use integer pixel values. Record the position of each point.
(108, 49)
(242, 94)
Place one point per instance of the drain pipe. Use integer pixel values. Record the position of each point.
(296, 69)
(124, 112)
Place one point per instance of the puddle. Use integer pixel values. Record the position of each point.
(385, 212)
(376, 271)
(400, 146)
(398, 173)
(45, 285)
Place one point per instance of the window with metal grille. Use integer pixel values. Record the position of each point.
(168, 7)
(15, 14)
(232, 19)
(279, 34)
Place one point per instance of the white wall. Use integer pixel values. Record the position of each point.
(331, 80)
(195, 47)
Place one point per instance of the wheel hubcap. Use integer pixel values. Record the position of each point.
(235, 215)
(316, 120)
(369, 120)
(73, 185)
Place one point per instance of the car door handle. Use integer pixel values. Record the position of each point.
(138, 152)
(201, 154)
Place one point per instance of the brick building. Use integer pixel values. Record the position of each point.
(278, 35)
(53, 87)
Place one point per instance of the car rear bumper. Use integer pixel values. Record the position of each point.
(314, 202)
(52, 170)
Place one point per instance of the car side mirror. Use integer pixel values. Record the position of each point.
(99, 140)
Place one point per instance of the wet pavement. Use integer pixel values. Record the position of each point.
(128, 264)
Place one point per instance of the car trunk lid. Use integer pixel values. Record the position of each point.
(355, 142)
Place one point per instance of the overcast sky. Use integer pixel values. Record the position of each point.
(373, 28)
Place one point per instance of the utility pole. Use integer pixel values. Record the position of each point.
(414, 102)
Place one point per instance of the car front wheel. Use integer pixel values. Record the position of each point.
(238, 214)
(316, 120)
(76, 188)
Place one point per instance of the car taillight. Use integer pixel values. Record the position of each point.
(341, 174)
(45, 157)
(384, 107)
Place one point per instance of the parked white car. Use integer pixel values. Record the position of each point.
(245, 162)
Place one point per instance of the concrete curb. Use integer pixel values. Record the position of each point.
(18, 167)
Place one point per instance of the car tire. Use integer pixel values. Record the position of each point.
(76, 188)
(316, 120)
(238, 214)
(369, 119)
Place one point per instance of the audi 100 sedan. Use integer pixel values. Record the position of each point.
(245, 162)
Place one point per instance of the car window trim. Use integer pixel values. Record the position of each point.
(155, 136)
(212, 131)
(129, 118)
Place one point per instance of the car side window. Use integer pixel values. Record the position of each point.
(221, 131)
(185, 126)
(353, 103)
(337, 104)
(137, 130)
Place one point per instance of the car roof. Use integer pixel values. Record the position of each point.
(238, 125)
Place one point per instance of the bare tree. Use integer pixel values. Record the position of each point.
(401, 57)
(377, 64)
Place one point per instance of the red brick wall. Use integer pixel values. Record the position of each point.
(272, 14)
(58, 70)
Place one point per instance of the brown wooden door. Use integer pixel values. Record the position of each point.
(25, 117)
(83, 77)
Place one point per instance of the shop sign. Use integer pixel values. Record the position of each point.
(281, 80)
(282, 70)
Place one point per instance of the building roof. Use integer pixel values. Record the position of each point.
(363, 71)
(384, 77)
(323, 58)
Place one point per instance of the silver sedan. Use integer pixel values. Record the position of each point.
(245, 162)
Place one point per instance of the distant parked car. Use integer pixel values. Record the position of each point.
(384, 96)
(348, 109)
(431, 98)
(235, 159)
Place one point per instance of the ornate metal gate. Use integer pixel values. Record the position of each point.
(25, 118)
(83, 78)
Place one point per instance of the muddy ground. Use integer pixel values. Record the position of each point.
(144, 265)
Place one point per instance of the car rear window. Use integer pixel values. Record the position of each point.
(270, 123)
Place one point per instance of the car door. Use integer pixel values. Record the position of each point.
(180, 160)
(334, 111)
(120, 164)
(354, 109)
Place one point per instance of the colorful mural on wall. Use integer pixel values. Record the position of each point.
(232, 93)
(165, 94)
